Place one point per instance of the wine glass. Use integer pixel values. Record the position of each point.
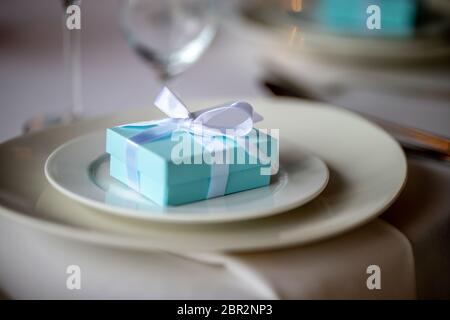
(169, 34)
(72, 72)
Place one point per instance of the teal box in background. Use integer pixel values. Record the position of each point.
(349, 16)
(165, 182)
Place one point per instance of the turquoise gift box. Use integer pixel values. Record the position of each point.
(167, 177)
(398, 17)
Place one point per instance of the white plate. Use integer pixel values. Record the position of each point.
(367, 171)
(80, 170)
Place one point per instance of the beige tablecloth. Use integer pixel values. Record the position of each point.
(113, 79)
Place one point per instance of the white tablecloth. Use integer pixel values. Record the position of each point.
(31, 82)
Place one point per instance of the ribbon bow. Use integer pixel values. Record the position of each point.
(233, 119)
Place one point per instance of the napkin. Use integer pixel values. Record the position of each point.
(332, 269)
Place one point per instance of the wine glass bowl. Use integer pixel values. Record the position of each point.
(169, 34)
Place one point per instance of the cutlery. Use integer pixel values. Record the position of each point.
(414, 141)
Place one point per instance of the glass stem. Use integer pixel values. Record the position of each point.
(72, 62)
(164, 79)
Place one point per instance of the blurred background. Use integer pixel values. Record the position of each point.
(316, 49)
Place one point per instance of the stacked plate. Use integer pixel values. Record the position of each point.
(337, 171)
(303, 32)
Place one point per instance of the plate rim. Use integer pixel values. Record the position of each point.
(176, 218)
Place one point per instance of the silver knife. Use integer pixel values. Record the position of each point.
(414, 141)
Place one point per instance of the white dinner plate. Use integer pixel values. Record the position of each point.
(80, 170)
(367, 171)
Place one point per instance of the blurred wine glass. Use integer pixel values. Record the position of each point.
(170, 35)
(72, 72)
